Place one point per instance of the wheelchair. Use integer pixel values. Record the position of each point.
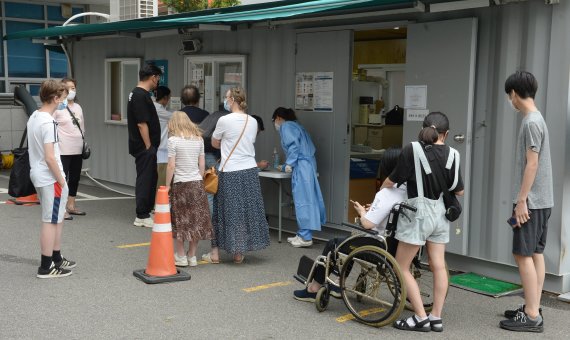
(369, 278)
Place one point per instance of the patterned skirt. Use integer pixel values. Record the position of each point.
(190, 212)
(239, 218)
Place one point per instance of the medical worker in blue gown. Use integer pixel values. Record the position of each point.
(300, 159)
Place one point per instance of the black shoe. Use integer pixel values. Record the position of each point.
(52, 272)
(335, 291)
(511, 313)
(522, 323)
(65, 264)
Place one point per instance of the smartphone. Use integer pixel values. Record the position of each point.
(512, 221)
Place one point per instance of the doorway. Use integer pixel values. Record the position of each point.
(376, 124)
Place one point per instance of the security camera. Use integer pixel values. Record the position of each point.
(191, 46)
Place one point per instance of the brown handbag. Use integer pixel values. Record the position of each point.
(211, 175)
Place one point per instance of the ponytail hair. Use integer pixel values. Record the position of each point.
(434, 124)
(286, 114)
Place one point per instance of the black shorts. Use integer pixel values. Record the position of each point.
(530, 238)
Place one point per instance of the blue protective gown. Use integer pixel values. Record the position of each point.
(307, 196)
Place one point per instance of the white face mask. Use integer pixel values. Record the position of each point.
(513, 105)
(71, 95)
(277, 126)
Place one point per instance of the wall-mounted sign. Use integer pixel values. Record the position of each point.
(416, 115)
(163, 66)
(314, 91)
(415, 97)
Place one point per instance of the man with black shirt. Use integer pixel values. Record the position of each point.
(190, 98)
(144, 139)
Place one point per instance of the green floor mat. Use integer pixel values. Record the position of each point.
(484, 285)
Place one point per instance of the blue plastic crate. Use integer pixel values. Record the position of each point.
(364, 168)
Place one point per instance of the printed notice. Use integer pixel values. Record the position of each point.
(314, 91)
(415, 97)
(416, 115)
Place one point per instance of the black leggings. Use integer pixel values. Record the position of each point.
(72, 168)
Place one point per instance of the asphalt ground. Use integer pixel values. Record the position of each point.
(102, 299)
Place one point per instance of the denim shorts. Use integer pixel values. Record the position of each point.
(427, 224)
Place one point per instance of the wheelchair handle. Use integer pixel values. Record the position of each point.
(359, 228)
(407, 206)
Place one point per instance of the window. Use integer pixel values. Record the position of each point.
(24, 11)
(25, 59)
(54, 14)
(121, 76)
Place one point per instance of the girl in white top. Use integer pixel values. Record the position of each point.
(190, 212)
(71, 144)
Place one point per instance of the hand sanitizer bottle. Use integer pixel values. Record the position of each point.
(275, 158)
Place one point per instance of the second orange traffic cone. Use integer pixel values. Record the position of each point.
(160, 267)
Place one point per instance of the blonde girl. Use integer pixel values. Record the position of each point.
(191, 220)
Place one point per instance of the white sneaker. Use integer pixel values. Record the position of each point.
(193, 262)
(143, 222)
(299, 242)
(293, 238)
(180, 261)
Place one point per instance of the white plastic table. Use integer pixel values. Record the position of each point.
(278, 177)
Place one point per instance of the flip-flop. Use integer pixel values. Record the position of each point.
(208, 258)
(76, 212)
(68, 218)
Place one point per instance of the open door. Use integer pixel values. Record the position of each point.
(329, 52)
(441, 55)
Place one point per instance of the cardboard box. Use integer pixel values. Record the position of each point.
(360, 135)
(375, 137)
(361, 190)
(374, 118)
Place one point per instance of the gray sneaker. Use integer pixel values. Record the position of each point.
(523, 323)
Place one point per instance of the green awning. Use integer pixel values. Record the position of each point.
(231, 15)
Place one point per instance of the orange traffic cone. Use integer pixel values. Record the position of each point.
(24, 200)
(160, 267)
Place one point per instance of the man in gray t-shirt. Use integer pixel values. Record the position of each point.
(532, 198)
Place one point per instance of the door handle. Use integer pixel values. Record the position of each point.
(459, 138)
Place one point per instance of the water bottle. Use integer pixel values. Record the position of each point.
(275, 158)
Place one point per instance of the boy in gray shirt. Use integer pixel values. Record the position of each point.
(532, 200)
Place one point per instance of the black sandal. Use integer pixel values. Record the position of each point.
(419, 326)
(436, 325)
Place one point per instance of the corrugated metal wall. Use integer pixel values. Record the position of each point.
(528, 35)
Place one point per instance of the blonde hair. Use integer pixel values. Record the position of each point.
(180, 125)
(238, 94)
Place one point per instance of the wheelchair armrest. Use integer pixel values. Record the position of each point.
(359, 228)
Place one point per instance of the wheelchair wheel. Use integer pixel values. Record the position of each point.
(322, 299)
(424, 277)
(365, 280)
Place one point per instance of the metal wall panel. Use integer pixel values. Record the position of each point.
(526, 35)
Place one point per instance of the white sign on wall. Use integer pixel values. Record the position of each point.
(415, 97)
(416, 115)
(314, 91)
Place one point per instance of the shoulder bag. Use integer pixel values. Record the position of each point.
(211, 175)
(86, 150)
(20, 184)
(452, 205)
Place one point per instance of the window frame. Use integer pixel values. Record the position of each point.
(123, 96)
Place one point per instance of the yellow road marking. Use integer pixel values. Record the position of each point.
(267, 286)
(366, 312)
(134, 245)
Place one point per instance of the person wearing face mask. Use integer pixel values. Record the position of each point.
(71, 143)
(162, 98)
(144, 140)
(46, 173)
(239, 219)
(300, 159)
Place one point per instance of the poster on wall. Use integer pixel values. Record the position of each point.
(162, 64)
(415, 97)
(314, 91)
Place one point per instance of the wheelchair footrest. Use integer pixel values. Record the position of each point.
(304, 268)
(301, 279)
